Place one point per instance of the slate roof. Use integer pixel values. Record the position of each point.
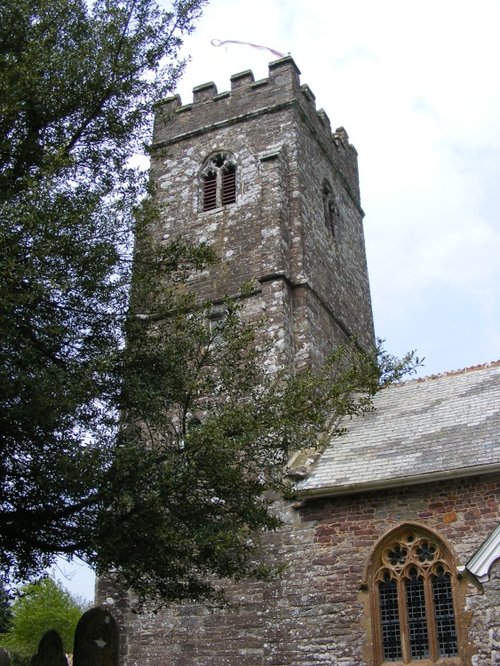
(420, 430)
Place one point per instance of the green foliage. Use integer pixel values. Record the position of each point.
(5, 610)
(39, 607)
(77, 83)
(208, 432)
(160, 459)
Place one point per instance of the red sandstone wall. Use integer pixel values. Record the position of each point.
(316, 613)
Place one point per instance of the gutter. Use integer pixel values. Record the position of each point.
(395, 482)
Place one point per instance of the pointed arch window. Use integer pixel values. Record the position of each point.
(218, 178)
(413, 605)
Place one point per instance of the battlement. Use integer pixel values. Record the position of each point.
(247, 98)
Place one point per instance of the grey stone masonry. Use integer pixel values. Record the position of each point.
(428, 455)
(309, 270)
(436, 427)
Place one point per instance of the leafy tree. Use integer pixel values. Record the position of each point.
(77, 84)
(39, 607)
(5, 610)
(157, 460)
(208, 433)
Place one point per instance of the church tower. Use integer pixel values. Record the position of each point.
(257, 173)
(382, 543)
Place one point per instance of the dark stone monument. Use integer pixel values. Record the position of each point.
(96, 639)
(50, 651)
(4, 657)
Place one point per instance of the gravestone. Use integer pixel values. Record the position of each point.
(4, 657)
(96, 639)
(50, 651)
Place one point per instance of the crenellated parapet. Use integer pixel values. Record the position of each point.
(247, 99)
(258, 173)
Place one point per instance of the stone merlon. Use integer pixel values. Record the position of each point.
(247, 98)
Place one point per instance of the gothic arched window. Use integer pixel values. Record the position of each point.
(330, 209)
(413, 581)
(218, 178)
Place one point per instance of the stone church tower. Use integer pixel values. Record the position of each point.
(257, 173)
(392, 552)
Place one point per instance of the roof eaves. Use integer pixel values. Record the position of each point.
(395, 482)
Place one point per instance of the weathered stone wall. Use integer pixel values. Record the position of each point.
(318, 612)
(313, 287)
(275, 232)
(485, 620)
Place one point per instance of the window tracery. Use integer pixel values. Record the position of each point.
(413, 600)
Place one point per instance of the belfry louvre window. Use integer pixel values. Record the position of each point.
(218, 181)
(412, 600)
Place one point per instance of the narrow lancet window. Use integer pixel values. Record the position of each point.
(445, 617)
(389, 618)
(418, 634)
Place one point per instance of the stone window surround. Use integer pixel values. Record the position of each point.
(371, 578)
(218, 181)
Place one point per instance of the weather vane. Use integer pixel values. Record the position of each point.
(223, 42)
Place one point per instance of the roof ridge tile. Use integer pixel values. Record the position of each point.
(450, 373)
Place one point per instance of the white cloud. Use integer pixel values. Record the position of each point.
(415, 85)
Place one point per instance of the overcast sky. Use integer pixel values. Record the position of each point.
(416, 85)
